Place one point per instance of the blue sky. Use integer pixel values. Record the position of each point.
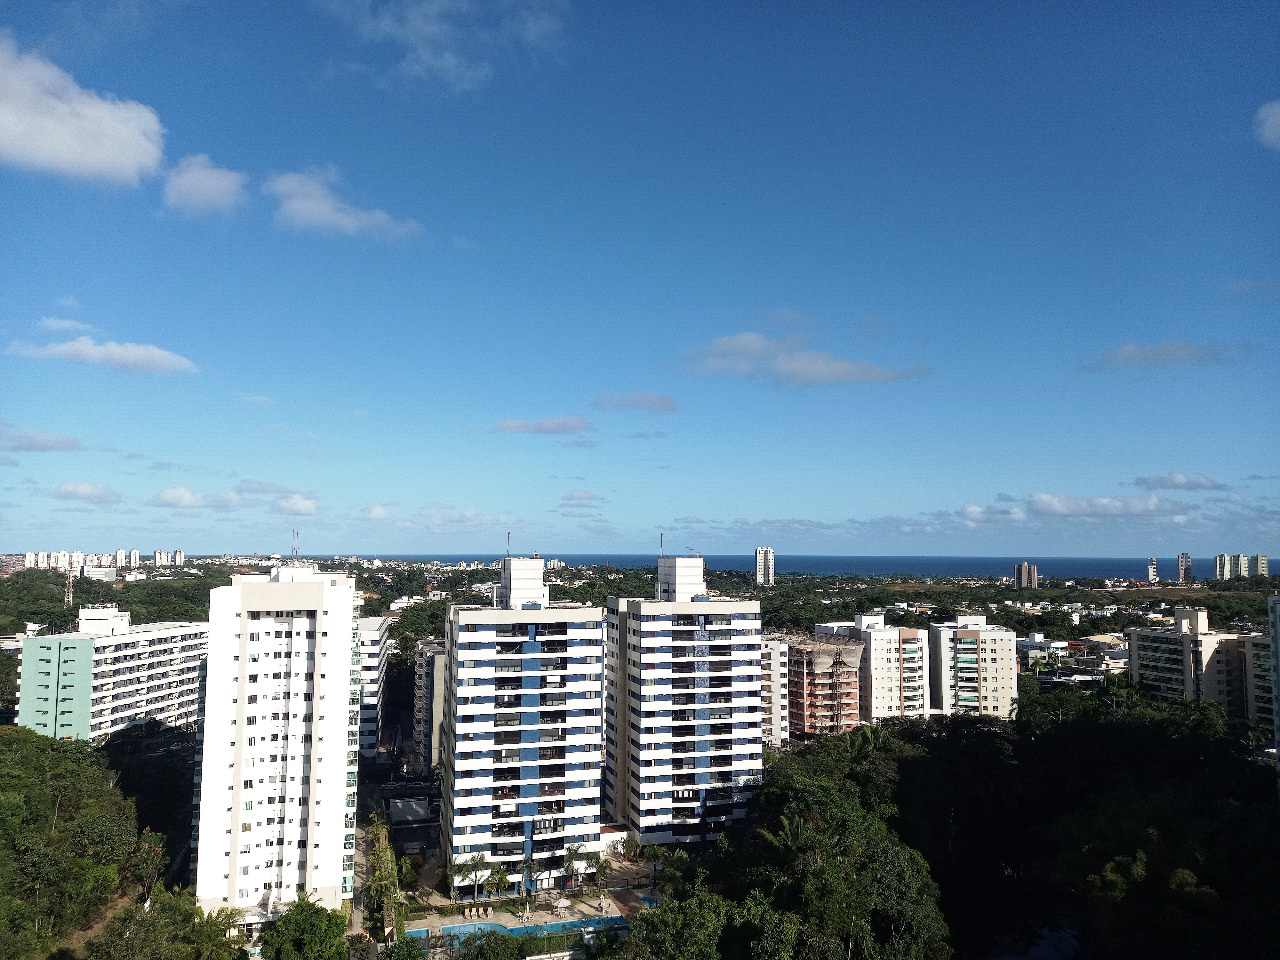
(841, 278)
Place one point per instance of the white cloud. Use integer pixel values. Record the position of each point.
(59, 325)
(1179, 481)
(34, 441)
(295, 505)
(49, 123)
(376, 513)
(68, 302)
(88, 492)
(570, 424)
(656, 402)
(178, 498)
(455, 41)
(308, 202)
(1177, 353)
(1047, 504)
(196, 187)
(971, 513)
(1266, 124)
(755, 355)
(135, 357)
(581, 496)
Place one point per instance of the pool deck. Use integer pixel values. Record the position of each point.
(624, 902)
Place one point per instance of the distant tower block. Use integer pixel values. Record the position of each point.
(1184, 568)
(1025, 576)
(1152, 575)
(764, 566)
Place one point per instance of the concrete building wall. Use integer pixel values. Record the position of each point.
(824, 686)
(775, 706)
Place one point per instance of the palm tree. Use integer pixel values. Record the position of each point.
(452, 872)
(216, 935)
(572, 855)
(474, 869)
(591, 863)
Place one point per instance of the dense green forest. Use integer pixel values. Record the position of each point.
(1093, 822)
(69, 840)
(36, 596)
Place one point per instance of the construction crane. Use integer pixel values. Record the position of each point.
(69, 594)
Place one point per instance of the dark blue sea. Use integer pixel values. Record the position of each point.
(1068, 567)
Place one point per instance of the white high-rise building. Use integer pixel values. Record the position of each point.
(179, 558)
(1184, 567)
(29, 560)
(373, 656)
(775, 728)
(42, 560)
(162, 558)
(1258, 564)
(764, 566)
(61, 560)
(973, 667)
(893, 669)
(1153, 575)
(682, 707)
(135, 560)
(276, 793)
(521, 738)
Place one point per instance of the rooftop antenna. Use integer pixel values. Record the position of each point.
(295, 545)
(508, 544)
(67, 597)
(660, 553)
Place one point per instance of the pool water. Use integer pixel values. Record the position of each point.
(585, 924)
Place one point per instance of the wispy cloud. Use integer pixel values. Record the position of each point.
(87, 492)
(251, 488)
(296, 505)
(35, 441)
(8, 461)
(455, 41)
(308, 202)
(183, 498)
(1266, 124)
(133, 357)
(59, 325)
(554, 425)
(1048, 504)
(376, 513)
(51, 124)
(755, 355)
(196, 187)
(655, 402)
(1175, 354)
(1179, 481)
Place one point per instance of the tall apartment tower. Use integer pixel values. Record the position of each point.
(521, 739)
(1184, 568)
(1258, 564)
(774, 687)
(1025, 576)
(374, 649)
(276, 792)
(682, 707)
(973, 667)
(430, 668)
(161, 558)
(120, 557)
(135, 559)
(764, 566)
(179, 558)
(1153, 575)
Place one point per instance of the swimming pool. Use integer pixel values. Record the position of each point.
(586, 925)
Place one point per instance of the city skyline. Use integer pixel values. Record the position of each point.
(886, 280)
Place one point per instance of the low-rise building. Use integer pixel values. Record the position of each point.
(110, 674)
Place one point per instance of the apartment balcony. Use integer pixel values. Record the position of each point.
(687, 746)
(555, 646)
(682, 731)
(552, 716)
(506, 774)
(506, 756)
(551, 753)
(684, 700)
(721, 729)
(514, 829)
(499, 814)
(506, 703)
(507, 648)
(506, 851)
(552, 736)
(684, 813)
(558, 665)
(549, 845)
(550, 806)
(682, 716)
(684, 779)
(508, 684)
(506, 793)
(542, 828)
(506, 737)
(512, 721)
(551, 789)
(682, 683)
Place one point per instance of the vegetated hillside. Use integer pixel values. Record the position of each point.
(1096, 820)
(68, 840)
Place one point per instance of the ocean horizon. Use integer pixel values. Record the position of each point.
(872, 566)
